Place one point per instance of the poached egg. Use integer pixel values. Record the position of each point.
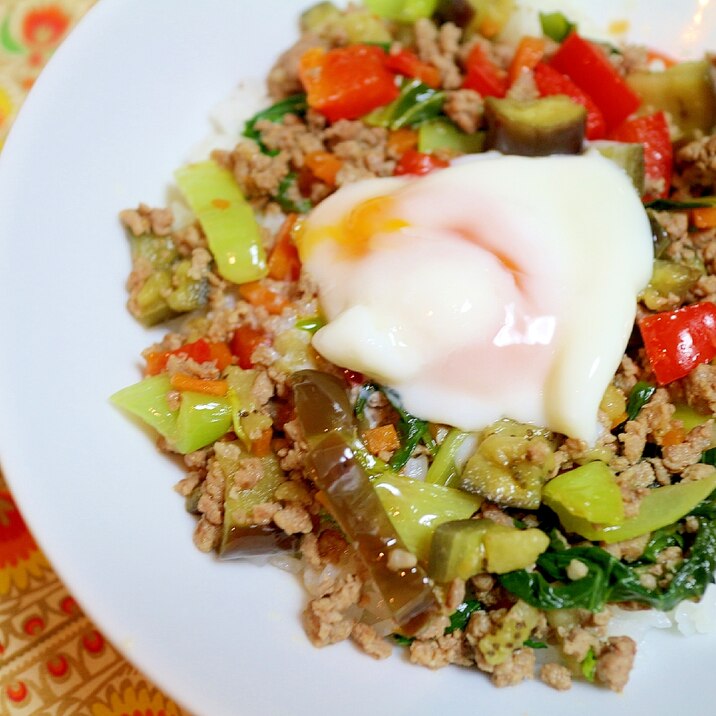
(500, 287)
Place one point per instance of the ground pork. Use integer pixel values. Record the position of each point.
(634, 483)
(518, 667)
(440, 48)
(292, 136)
(325, 618)
(678, 457)
(293, 519)
(557, 676)
(146, 220)
(362, 150)
(524, 88)
(439, 652)
(465, 107)
(700, 388)
(369, 641)
(259, 175)
(696, 166)
(615, 662)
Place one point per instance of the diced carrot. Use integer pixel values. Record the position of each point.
(324, 166)
(704, 217)
(528, 55)
(382, 438)
(182, 381)
(652, 55)
(245, 341)
(156, 362)
(257, 294)
(675, 436)
(401, 140)
(221, 355)
(261, 446)
(284, 263)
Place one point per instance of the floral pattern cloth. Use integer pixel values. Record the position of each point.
(53, 661)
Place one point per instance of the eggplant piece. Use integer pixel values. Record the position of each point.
(326, 417)
(685, 91)
(322, 405)
(239, 538)
(355, 505)
(535, 128)
(255, 541)
(630, 157)
(488, 17)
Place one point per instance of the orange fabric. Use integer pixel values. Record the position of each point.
(52, 658)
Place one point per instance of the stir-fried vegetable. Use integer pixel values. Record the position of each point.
(555, 25)
(590, 69)
(535, 128)
(347, 82)
(677, 341)
(199, 420)
(227, 219)
(652, 131)
(609, 580)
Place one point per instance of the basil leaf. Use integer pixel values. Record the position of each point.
(609, 580)
(638, 397)
(673, 205)
(532, 644)
(416, 103)
(461, 616)
(288, 204)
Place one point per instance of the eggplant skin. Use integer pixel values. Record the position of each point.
(535, 128)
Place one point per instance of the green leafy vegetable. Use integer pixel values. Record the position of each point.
(709, 457)
(589, 665)
(672, 205)
(555, 25)
(410, 429)
(660, 540)
(443, 471)
(533, 644)
(609, 580)
(640, 395)
(461, 616)
(402, 640)
(296, 104)
(416, 103)
(286, 201)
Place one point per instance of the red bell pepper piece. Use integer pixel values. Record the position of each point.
(677, 341)
(483, 75)
(347, 82)
(550, 82)
(590, 69)
(408, 64)
(199, 351)
(653, 132)
(245, 341)
(418, 163)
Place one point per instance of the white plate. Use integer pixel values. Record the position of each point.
(110, 119)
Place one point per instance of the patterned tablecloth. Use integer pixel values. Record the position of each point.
(53, 661)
